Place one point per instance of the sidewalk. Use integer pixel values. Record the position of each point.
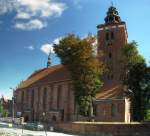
(5, 130)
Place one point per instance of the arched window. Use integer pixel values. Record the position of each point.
(44, 98)
(108, 76)
(54, 118)
(113, 110)
(109, 44)
(107, 36)
(32, 98)
(22, 97)
(112, 35)
(38, 98)
(110, 55)
(59, 92)
(95, 109)
(26, 119)
(51, 97)
(112, 76)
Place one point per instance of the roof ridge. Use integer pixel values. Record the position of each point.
(39, 75)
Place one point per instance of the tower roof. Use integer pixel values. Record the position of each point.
(49, 60)
(112, 15)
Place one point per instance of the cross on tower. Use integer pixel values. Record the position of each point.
(112, 3)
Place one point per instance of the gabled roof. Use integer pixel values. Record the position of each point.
(40, 74)
(111, 91)
(59, 72)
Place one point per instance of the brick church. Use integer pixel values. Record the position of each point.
(47, 94)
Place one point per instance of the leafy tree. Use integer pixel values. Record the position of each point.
(139, 82)
(5, 113)
(147, 116)
(85, 69)
(1, 108)
(130, 57)
(137, 79)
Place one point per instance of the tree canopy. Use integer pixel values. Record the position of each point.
(137, 79)
(3, 112)
(78, 55)
(130, 57)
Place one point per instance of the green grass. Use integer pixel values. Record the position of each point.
(147, 118)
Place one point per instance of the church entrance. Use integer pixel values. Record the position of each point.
(26, 119)
(62, 115)
(54, 118)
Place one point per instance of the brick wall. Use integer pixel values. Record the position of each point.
(110, 110)
(111, 49)
(54, 99)
(109, 129)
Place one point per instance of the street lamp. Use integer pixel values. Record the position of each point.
(13, 102)
(43, 121)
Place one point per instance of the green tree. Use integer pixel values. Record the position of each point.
(130, 57)
(147, 116)
(1, 108)
(78, 55)
(139, 82)
(137, 78)
(5, 113)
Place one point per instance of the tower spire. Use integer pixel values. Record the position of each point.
(112, 15)
(49, 59)
(112, 3)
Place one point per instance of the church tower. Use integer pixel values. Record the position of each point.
(112, 36)
(111, 103)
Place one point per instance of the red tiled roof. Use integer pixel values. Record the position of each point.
(39, 75)
(36, 72)
(110, 92)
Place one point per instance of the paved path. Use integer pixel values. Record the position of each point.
(6, 131)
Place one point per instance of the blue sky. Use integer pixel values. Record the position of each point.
(29, 27)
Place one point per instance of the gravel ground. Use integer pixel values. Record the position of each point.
(6, 131)
(18, 132)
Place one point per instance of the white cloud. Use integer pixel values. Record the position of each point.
(42, 8)
(46, 48)
(56, 41)
(31, 25)
(31, 48)
(23, 15)
(31, 9)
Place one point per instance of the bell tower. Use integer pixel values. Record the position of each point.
(112, 36)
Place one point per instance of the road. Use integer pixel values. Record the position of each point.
(5, 130)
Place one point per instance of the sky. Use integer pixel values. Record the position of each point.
(28, 28)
